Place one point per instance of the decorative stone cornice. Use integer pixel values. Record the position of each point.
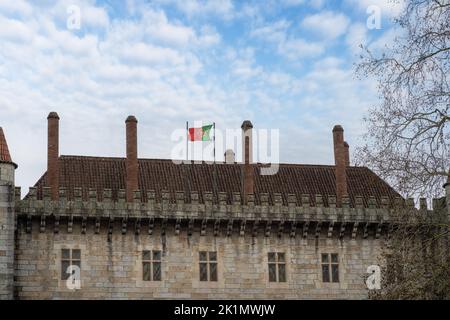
(250, 218)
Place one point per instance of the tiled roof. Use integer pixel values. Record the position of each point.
(4, 151)
(109, 173)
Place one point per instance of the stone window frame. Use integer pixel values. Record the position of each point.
(342, 284)
(139, 272)
(71, 260)
(277, 264)
(57, 267)
(209, 260)
(288, 264)
(152, 261)
(330, 261)
(195, 275)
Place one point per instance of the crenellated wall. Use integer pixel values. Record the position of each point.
(112, 235)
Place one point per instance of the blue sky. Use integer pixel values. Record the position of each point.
(285, 64)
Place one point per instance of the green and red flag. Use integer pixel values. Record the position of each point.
(200, 134)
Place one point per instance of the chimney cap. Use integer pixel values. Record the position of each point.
(131, 119)
(338, 127)
(53, 115)
(247, 124)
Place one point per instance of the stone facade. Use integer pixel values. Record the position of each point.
(113, 269)
(112, 235)
(6, 230)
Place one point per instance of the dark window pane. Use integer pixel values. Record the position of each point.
(76, 254)
(146, 271)
(212, 256)
(334, 258)
(335, 272)
(324, 257)
(77, 263)
(203, 256)
(325, 273)
(65, 254)
(156, 271)
(272, 272)
(157, 255)
(146, 255)
(271, 256)
(213, 271)
(282, 273)
(203, 272)
(281, 257)
(64, 266)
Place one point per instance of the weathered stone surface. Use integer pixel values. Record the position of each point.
(113, 270)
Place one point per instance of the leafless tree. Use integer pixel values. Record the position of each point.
(408, 137)
(417, 257)
(408, 144)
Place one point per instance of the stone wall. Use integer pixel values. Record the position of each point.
(6, 230)
(113, 269)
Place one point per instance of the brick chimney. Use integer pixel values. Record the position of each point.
(340, 163)
(132, 166)
(247, 175)
(347, 154)
(53, 154)
(229, 156)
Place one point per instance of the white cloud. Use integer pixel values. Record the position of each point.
(317, 4)
(146, 53)
(296, 48)
(14, 30)
(385, 40)
(94, 16)
(356, 36)
(388, 8)
(202, 8)
(15, 7)
(328, 25)
(274, 32)
(158, 27)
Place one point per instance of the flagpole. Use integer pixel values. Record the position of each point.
(215, 191)
(187, 141)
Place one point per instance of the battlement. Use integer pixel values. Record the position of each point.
(90, 203)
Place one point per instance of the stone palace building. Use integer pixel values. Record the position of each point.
(130, 228)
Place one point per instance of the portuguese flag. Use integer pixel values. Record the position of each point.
(200, 134)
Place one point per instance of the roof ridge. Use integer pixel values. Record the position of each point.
(204, 161)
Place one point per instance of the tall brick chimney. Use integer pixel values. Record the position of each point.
(340, 163)
(132, 166)
(247, 174)
(53, 154)
(347, 154)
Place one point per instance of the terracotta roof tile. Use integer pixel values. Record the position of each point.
(158, 175)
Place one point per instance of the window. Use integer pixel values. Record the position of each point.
(69, 257)
(208, 266)
(151, 265)
(330, 267)
(277, 267)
